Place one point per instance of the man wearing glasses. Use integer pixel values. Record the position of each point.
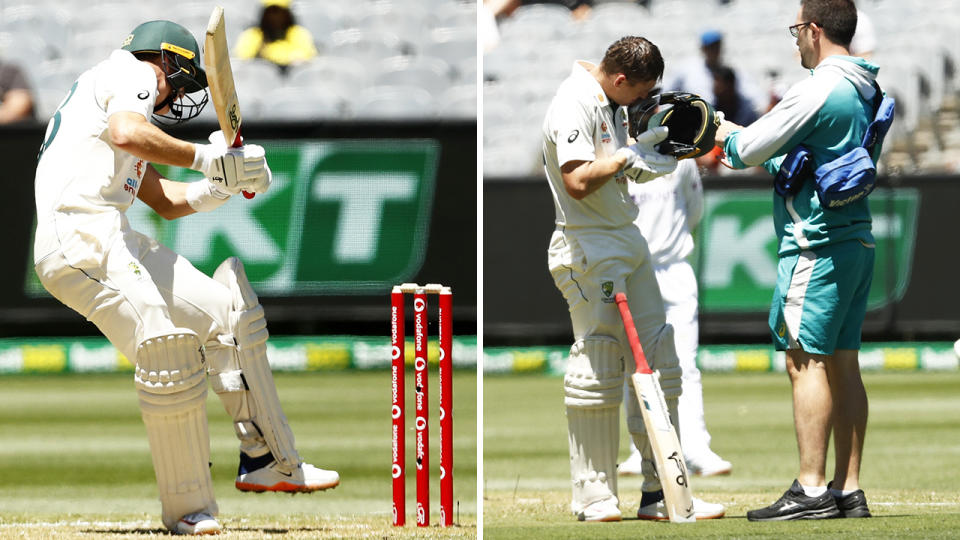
(826, 260)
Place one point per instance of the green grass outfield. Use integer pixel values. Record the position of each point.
(911, 471)
(74, 460)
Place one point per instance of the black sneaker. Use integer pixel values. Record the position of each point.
(853, 505)
(796, 505)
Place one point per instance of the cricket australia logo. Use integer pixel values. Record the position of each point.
(606, 288)
(134, 267)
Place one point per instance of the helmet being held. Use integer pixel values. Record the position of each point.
(179, 60)
(692, 123)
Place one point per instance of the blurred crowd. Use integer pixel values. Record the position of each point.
(292, 60)
(737, 54)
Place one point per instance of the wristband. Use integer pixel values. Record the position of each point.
(203, 156)
(203, 195)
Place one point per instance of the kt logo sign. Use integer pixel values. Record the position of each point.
(340, 217)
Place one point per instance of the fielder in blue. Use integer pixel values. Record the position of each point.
(825, 259)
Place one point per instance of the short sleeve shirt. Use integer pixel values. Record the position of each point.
(582, 124)
(83, 182)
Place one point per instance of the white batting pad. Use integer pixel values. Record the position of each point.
(241, 376)
(593, 391)
(171, 385)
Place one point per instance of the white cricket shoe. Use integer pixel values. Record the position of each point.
(604, 510)
(632, 466)
(708, 464)
(197, 523)
(652, 507)
(274, 477)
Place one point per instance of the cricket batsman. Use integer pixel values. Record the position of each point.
(178, 326)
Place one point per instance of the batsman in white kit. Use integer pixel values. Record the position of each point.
(595, 252)
(180, 327)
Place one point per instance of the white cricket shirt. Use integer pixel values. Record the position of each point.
(83, 183)
(669, 208)
(582, 124)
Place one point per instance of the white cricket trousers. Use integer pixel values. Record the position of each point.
(143, 289)
(590, 267)
(678, 287)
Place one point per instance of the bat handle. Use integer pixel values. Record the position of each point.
(632, 337)
(239, 142)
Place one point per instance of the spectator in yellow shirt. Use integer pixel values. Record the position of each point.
(278, 38)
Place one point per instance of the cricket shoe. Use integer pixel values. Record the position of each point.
(603, 510)
(265, 474)
(653, 507)
(708, 464)
(197, 523)
(853, 505)
(795, 504)
(633, 466)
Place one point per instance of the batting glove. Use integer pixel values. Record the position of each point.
(233, 170)
(644, 163)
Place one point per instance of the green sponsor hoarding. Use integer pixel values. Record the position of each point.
(341, 217)
(301, 353)
(922, 356)
(736, 260)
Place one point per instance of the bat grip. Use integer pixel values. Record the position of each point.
(239, 142)
(638, 357)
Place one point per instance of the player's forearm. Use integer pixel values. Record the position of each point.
(585, 177)
(167, 198)
(175, 195)
(132, 133)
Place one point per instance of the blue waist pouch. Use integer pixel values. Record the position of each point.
(846, 179)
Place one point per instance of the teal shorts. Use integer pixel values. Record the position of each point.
(821, 298)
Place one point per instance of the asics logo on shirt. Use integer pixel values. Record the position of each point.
(573, 135)
(143, 95)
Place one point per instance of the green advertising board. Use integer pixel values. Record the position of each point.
(341, 217)
(736, 259)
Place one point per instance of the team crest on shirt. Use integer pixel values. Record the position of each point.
(139, 167)
(134, 267)
(606, 288)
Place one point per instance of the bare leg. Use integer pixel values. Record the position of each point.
(812, 413)
(849, 417)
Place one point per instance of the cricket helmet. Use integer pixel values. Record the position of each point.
(693, 123)
(180, 60)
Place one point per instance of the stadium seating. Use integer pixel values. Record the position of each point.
(918, 49)
(393, 102)
(55, 40)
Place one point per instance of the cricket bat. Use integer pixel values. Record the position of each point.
(656, 417)
(216, 59)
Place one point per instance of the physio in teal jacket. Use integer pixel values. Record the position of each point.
(825, 260)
